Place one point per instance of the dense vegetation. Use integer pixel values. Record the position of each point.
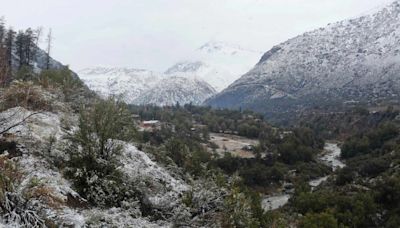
(364, 193)
(243, 123)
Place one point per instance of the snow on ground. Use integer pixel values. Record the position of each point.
(39, 126)
(138, 164)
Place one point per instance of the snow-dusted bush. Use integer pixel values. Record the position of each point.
(238, 211)
(93, 153)
(204, 196)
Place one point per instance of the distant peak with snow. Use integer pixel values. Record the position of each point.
(218, 63)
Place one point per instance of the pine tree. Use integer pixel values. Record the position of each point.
(26, 47)
(3, 66)
(29, 46)
(20, 47)
(9, 44)
(3, 60)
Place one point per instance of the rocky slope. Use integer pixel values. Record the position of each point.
(356, 60)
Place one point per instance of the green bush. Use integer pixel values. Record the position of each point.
(319, 220)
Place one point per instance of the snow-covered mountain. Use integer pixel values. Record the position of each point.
(210, 68)
(174, 89)
(217, 63)
(128, 82)
(355, 60)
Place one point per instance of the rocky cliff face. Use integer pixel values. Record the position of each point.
(355, 60)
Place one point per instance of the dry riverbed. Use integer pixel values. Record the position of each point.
(329, 157)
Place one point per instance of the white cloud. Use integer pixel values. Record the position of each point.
(154, 34)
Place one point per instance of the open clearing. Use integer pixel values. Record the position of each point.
(233, 144)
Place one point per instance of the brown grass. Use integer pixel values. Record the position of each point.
(46, 194)
(24, 94)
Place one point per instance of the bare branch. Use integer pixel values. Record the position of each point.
(19, 123)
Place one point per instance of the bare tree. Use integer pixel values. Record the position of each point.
(49, 41)
(38, 35)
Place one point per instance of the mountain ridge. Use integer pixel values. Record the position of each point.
(355, 59)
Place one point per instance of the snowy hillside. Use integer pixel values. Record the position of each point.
(355, 60)
(172, 90)
(136, 164)
(217, 63)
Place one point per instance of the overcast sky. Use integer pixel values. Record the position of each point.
(154, 34)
